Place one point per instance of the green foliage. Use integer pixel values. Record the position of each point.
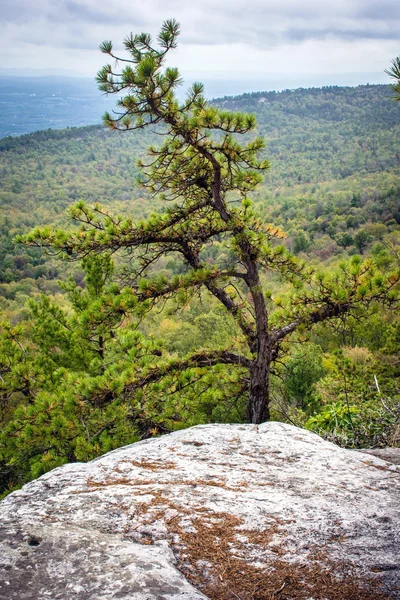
(361, 240)
(345, 240)
(310, 135)
(356, 410)
(300, 243)
(63, 373)
(303, 370)
(337, 418)
(394, 72)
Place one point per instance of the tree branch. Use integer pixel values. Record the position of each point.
(199, 360)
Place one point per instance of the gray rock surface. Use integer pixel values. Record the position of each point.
(391, 455)
(215, 511)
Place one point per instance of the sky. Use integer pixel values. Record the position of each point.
(256, 44)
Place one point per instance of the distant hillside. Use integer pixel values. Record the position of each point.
(335, 170)
(332, 132)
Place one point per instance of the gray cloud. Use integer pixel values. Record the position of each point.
(260, 22)
(386, 9)
(246, 36)
(391, 33)
(275, 21)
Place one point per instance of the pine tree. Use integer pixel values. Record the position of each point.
(62, 376)
(205, 175)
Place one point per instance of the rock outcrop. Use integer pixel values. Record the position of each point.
(217, 511)
(391, 455)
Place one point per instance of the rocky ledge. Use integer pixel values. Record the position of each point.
(218, 511)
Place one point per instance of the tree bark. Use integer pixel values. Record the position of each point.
(258, 405)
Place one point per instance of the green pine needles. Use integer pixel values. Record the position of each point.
(394, 72)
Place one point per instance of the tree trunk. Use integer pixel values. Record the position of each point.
(258, 406)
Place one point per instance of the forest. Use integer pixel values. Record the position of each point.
(97, 347)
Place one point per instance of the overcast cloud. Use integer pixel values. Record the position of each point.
(253, 39)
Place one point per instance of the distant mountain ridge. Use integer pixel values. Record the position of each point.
(57, 101)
